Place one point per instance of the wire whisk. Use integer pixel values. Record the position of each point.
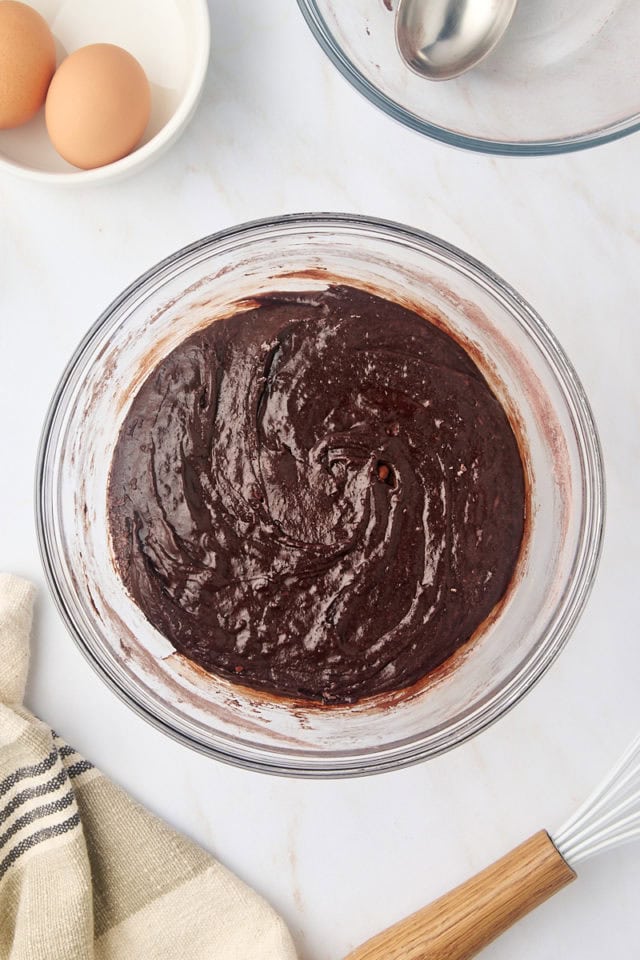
(610, 816)
(463, 921)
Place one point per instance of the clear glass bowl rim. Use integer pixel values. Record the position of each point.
(569, 606)
(533, 148)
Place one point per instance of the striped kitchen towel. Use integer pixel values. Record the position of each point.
(88, 874)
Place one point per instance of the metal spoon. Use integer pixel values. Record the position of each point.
(440, 39)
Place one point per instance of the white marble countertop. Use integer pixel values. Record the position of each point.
(341, 859)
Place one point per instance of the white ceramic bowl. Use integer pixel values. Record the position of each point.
(170, 38)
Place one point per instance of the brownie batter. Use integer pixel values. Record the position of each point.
(320, 497)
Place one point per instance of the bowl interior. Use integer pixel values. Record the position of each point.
(170, 38)
(524, 367)
(563, 76)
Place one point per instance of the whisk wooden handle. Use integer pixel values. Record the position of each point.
(463, 921)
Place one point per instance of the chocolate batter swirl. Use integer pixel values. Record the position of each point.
(320, 497)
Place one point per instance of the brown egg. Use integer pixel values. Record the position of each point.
(27, 62)
(98, 105)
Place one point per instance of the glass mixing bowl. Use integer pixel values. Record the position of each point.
(564, 76)
(525, 367)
